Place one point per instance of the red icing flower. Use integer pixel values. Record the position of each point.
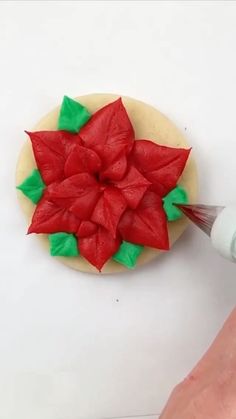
(103, 186)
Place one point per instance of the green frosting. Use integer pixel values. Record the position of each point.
(128, 254)
(63, 244)
(72, 115)
(178, 195)
(33, 186)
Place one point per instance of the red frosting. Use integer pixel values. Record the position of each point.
(104, 186)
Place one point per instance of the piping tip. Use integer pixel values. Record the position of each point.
(203, 216)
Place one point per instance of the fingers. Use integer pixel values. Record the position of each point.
(209, 390)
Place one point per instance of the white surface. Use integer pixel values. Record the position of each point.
(68, 348)
(223, 233)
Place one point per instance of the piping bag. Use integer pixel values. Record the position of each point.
(219, 223)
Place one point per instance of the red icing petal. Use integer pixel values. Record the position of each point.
(115, 169)
(161, 165)
(99, 247)
(86, 228)
(110, 133)
(133, 186)
(51, 149)
(80, 160)
(109, 209)
(109, 125)
(49, 218)
(78, 193)
(146, 225)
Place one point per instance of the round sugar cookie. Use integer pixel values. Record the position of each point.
(148, 123)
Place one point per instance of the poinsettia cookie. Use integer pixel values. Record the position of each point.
(97, 179)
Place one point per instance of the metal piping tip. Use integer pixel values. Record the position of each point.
(203, 216)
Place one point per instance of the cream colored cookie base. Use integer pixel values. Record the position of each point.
(148, 123)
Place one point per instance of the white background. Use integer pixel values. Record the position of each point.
(68, 348)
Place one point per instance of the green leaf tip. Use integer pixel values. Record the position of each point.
(178, 195)
(128, 254)
(72, 115)
(63, 244)
(33, 186)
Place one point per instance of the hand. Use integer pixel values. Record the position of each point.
(209, 392)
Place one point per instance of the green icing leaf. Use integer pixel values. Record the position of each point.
(72, 115)
(128, 254)
(33, 186)
(63, 244)
(178, 195)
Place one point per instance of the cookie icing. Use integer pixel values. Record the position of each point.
(101, 185)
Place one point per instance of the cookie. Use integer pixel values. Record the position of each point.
(131, 217)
